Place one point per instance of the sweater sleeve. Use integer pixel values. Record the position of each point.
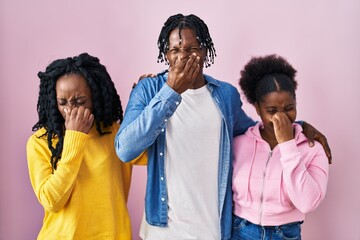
(305, 184)
(53, 190)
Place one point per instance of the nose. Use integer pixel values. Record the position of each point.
(69, 106)
(183, 53)
(183, 50)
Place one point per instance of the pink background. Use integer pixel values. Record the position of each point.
(320, 38)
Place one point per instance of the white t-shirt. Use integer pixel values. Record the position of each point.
(191, 168)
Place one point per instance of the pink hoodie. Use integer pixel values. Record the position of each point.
(276, 187)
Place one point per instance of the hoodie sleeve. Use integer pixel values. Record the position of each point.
(305, 175)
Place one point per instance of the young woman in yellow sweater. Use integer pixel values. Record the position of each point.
(73, 167)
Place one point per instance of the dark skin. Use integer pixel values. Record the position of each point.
(186, 60)
(75, 103)
(277, 111)
(313, 134)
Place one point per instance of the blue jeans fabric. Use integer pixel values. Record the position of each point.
(242, 229)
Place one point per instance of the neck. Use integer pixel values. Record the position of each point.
(269, 137)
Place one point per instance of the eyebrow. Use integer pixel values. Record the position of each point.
(178, 47)
(74, 99)
(272, 107)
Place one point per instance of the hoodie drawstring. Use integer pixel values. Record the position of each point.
(250, 169)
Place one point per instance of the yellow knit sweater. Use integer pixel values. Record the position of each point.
(86, 196)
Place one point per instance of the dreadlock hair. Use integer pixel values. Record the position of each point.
(106, 102)
(262, 75)
(191, 22)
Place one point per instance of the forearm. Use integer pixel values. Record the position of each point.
(144, 122)
(243, 122)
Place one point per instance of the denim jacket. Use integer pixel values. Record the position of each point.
(152, 102)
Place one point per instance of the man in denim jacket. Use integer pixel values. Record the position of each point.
(186, 121)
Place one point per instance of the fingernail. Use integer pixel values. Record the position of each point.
(311, 144)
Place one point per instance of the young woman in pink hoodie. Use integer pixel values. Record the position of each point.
(277, 176)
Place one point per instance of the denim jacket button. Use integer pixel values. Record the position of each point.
(162, 179)
(162, 130)
(161, 154)
(177, 103)
(163, 199)
(165, 120)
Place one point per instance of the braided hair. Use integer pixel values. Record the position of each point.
(106, 102)
(262, 75)
(191, 22)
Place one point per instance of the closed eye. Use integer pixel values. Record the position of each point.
(289, 108)
(75, 102)
(62, 102)
(271, 110)
(174, 50)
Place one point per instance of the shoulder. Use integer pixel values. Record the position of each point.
(243, 138)
(252, 133)
(115, 128)
(224, 88)
(110, 131)
(218, 83)
(159, 79)
(314, 155)
(302, 142)
(38, 140)
(38, 136)
(149, 86)
(305, 145)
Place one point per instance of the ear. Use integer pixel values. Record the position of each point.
(166, 58)
(257, 107)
